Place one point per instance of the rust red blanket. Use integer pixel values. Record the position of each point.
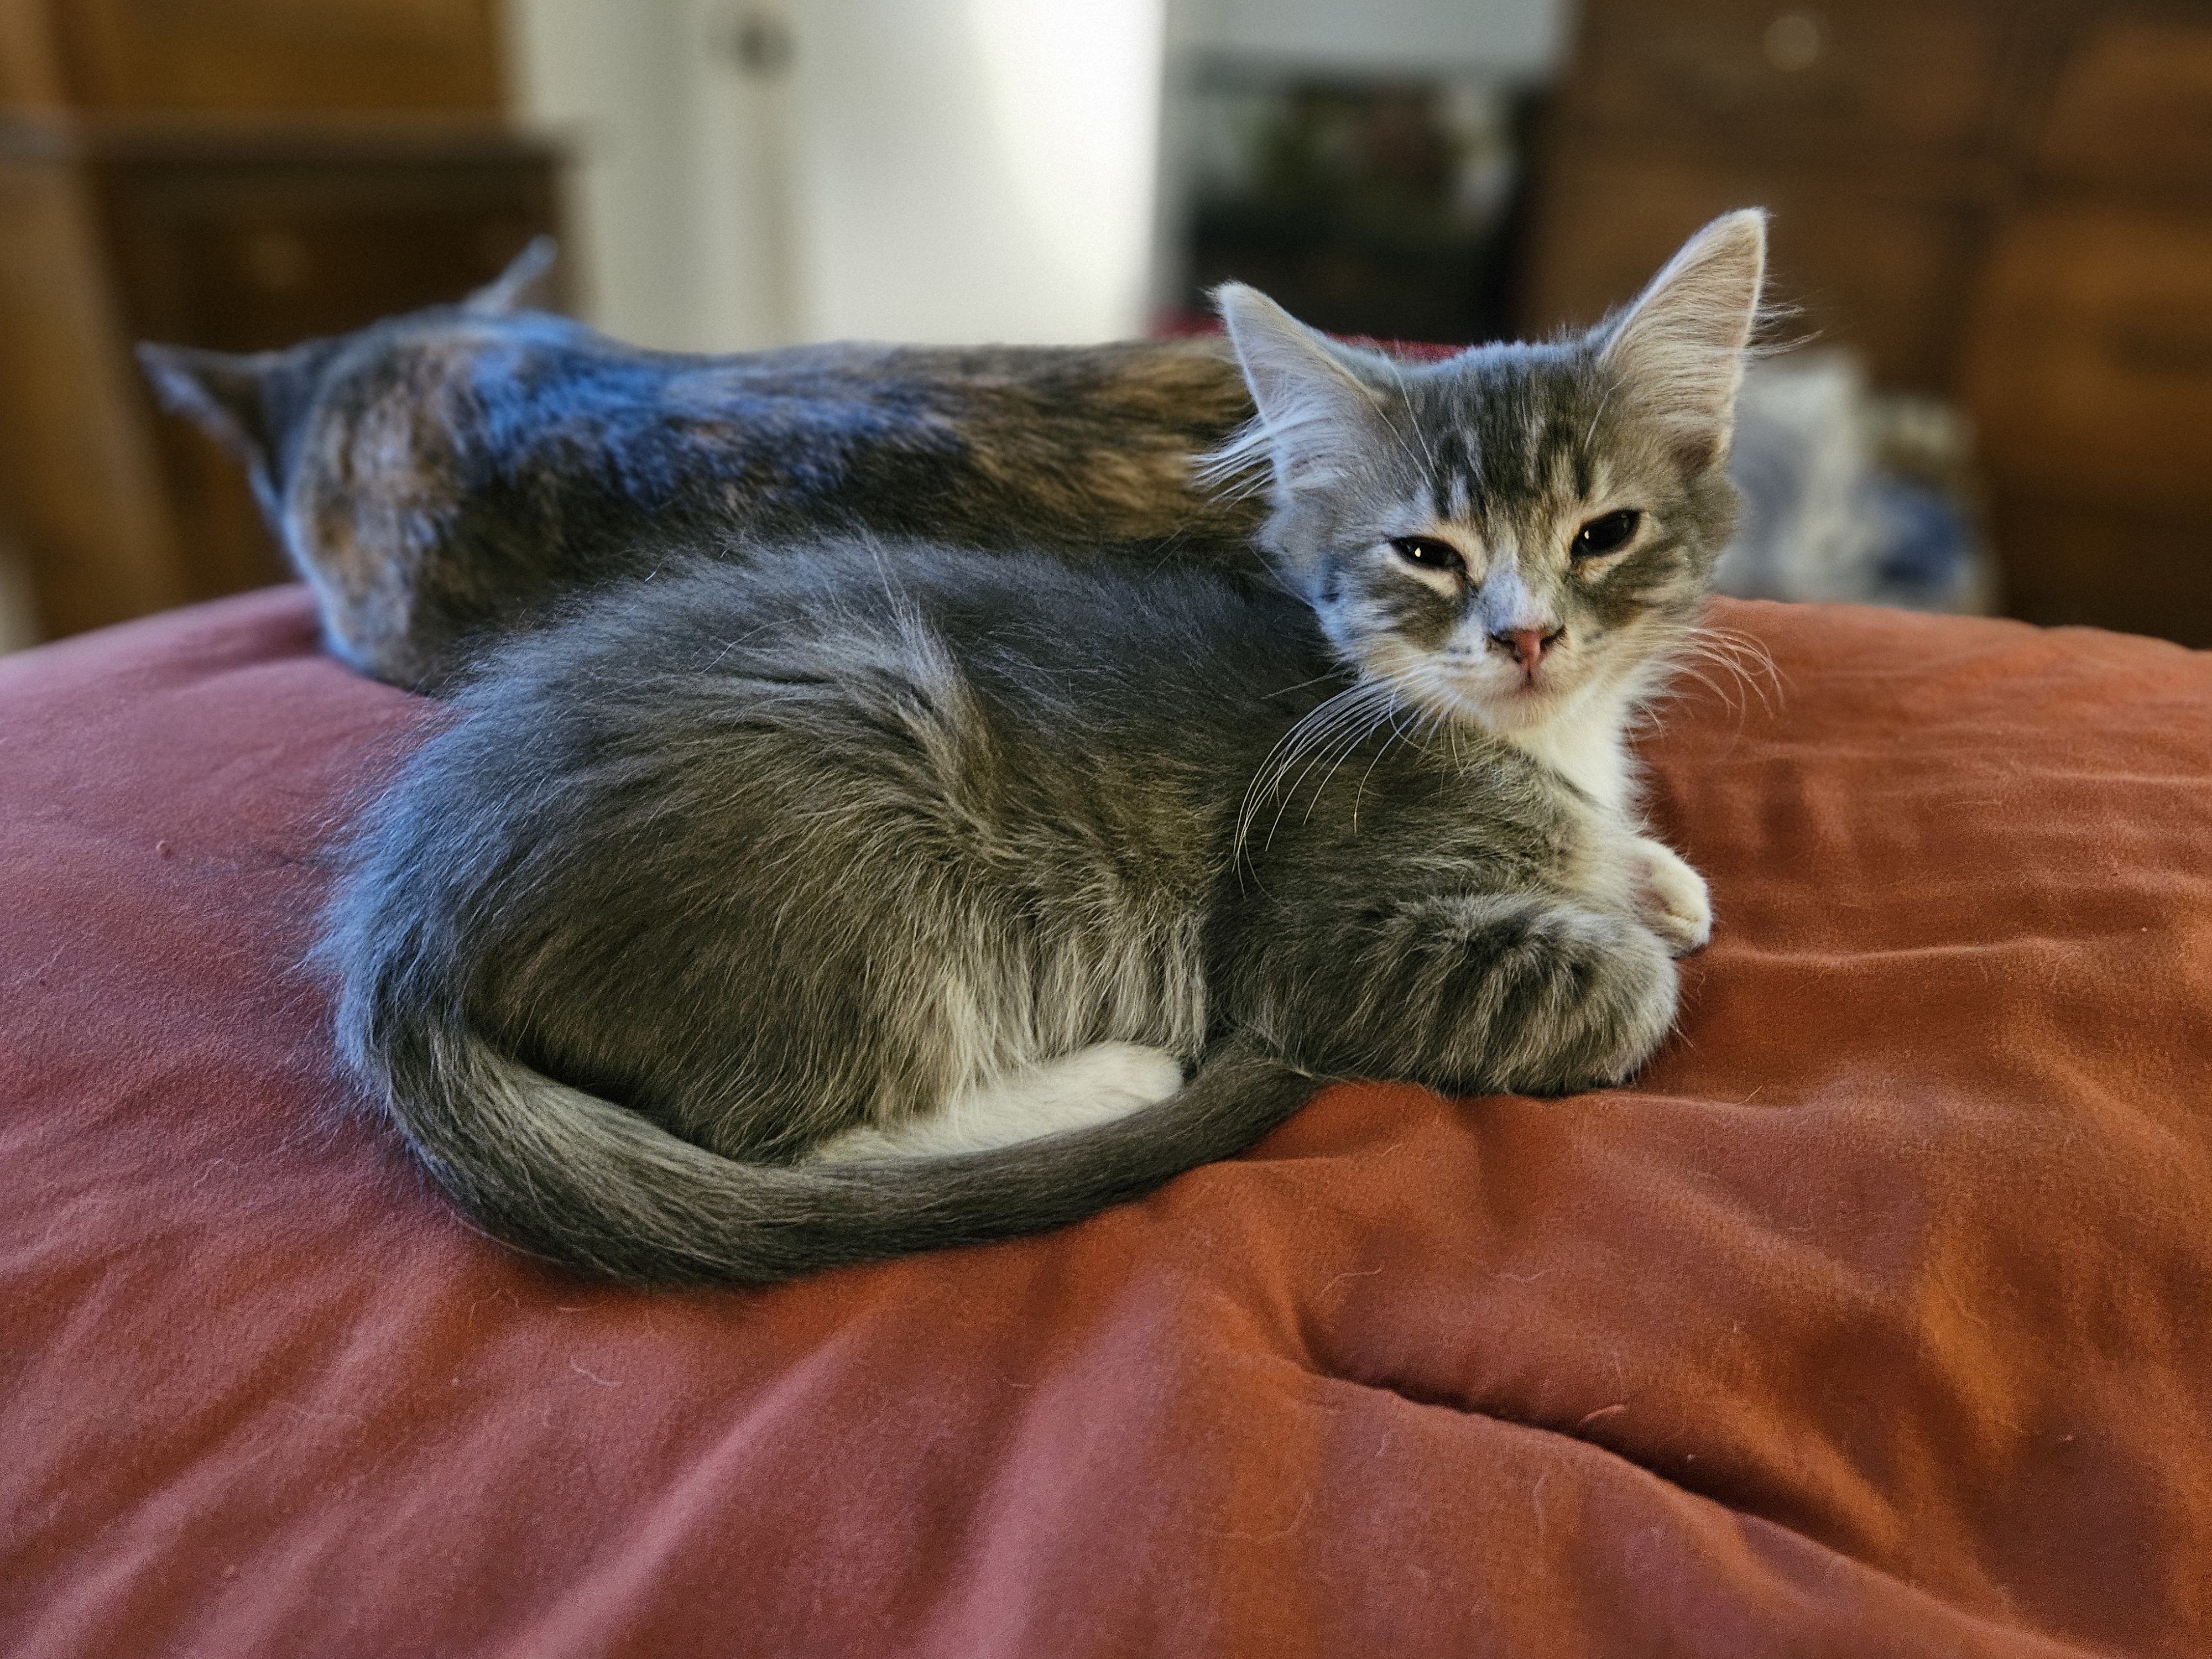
(1875, 1319)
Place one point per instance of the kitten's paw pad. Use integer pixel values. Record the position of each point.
(1671, 898)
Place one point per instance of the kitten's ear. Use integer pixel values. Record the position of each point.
(1316, 398)
(1679, 349)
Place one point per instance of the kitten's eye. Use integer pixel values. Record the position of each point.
(1427, 552)
(1605, 534)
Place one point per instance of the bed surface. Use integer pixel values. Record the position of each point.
(1876, 1318)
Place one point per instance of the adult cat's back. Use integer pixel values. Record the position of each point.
(459, 472)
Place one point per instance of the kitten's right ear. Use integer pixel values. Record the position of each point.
(1679, 349)
(1315, 397)
(221, 392)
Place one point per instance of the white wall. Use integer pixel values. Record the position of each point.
(943, 170)
(950, 170)
(977, 169)
(604, 76)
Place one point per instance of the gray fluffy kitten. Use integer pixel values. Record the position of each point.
(876, 898)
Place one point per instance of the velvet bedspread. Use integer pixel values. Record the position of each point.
(1874, 1319)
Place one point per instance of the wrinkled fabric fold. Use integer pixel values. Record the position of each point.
(1872, 1318)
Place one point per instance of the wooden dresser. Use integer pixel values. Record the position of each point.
(2007, 203)
(237, 175)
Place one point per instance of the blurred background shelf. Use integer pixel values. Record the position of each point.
(223, 55)
(2008, 205)
(236, 174)
(1999, 212)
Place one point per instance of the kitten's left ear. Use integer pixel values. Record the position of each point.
(1316, 397)
(1679, 349)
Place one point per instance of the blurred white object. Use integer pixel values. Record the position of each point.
(976, 170)
(1417, 37)
(763, 171)
(1851, 494)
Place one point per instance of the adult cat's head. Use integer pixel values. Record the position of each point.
(1516, 534)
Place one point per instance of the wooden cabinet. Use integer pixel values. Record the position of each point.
(1900, 78)
(2089, 361)
(2132, 107)
(2007, 203)
(237, 175)
(226, 55)
(1877, 262)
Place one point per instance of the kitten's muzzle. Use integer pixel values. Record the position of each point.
(1526, 646)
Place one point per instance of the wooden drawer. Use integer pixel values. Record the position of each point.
(30, 63)
(238, 240)
(2090, 369)
(2104, 566)
(1836, 81)
(244, 252)
(1884, 274)
(2134, 108)
(277, 54)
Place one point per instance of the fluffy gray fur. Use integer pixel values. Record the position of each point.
(870, 898)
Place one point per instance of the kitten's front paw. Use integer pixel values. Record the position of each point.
(1670, 897)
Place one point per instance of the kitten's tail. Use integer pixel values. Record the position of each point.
(566, 1174)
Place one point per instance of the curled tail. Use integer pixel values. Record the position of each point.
(566, 1174)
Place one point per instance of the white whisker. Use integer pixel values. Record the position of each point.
(1740, 656)
(1317, 735)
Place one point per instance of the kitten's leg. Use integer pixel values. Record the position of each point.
(1470, 993)
(1091, 1085)
(1671, 898)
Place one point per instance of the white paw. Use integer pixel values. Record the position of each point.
(1671, 899)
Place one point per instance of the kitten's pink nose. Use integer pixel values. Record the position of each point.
(1528, 645)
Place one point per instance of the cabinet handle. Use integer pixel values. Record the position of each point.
(1794, 41)
(760, 43)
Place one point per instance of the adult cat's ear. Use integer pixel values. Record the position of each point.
(1316, 398)
(221, 392)
(252, 403)
(521, 279)
(1679, 350)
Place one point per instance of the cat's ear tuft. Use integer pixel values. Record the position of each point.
(219, 391)
(1679, 349)
(525, 274)
(1315, 397)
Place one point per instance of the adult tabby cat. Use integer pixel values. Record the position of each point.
(461, 473)
(865, 898)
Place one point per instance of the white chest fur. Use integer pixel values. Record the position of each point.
(1587, 744)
